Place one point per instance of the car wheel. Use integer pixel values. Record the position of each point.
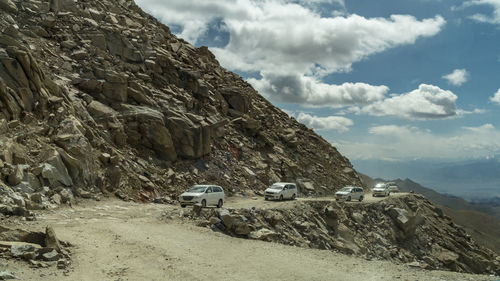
(360, 198)
(293, 196)
(183, 206)
(348, 198)
(281, 197)
(219, 205)
(203, 203)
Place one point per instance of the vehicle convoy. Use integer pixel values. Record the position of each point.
(349, 193)
(281, 191)
(203, 194)
(381, 189)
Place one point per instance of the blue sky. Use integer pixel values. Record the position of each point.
(389, 79)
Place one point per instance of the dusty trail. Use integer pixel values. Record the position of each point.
(116, 240)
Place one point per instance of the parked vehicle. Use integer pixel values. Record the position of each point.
(349, 193)
(381, 189)
(393, 187)
(281, 191)
(203, 194)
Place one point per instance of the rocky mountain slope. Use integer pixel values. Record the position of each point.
(404, 229)
(477, 219)
(97, 97)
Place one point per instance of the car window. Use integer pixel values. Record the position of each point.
(292, 186)
(209, 189)
(217, 189)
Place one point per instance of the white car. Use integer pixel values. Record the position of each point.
(280, 191)
(393, 187)
(381, 189)
(203, 194)
(349, 193)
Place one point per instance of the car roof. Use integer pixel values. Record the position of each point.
(204, 185)
(282, 183)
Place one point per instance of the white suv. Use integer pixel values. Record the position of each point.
(281, 190)
(381, 189)
(203, 194)
(349, 193)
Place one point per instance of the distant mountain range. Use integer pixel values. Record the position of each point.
(472, 179)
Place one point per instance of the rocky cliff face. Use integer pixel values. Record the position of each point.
(99, 97)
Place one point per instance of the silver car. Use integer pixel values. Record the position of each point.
(280, 191)
(349, 193)
(381, 189)
(203, 194)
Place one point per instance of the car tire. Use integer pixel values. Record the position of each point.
(203, 203)
(219, 204)
(293, 196)
(281, 197)
(348, 198)
(361, 198)
(183, 206)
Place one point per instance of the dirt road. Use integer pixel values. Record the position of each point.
(259, 202)
(116, 240)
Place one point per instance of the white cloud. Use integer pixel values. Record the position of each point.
(426, 102)
(406, 142)
(336, 123)
(309, 91)
(493, 19)
(288, 40)
(457, 77)
(496, 97)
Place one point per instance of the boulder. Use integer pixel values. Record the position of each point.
(236, 99)
(148, 130)
(16, 177)
(98, 109)
(192, 139)
(51, 239)
(263, 234)
(51, 256)
(8, 6)
(242, 228)
(55, 171)
(405, 221)
(226, 218)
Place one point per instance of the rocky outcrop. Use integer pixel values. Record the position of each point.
(38, 248)
(98, 97)
(405, 229)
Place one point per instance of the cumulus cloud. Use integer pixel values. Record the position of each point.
(291, 41)
(496, 97)
(337, 123)
(407, 142)
(311, 92)
(494, 18)
(457, 77)
(426, 102)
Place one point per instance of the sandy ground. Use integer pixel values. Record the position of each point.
(116, 240)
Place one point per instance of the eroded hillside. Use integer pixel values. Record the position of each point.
(97, 97)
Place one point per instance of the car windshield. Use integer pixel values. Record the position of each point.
(197, 189)
(381, 185)
(346, 189)
(276, 186)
